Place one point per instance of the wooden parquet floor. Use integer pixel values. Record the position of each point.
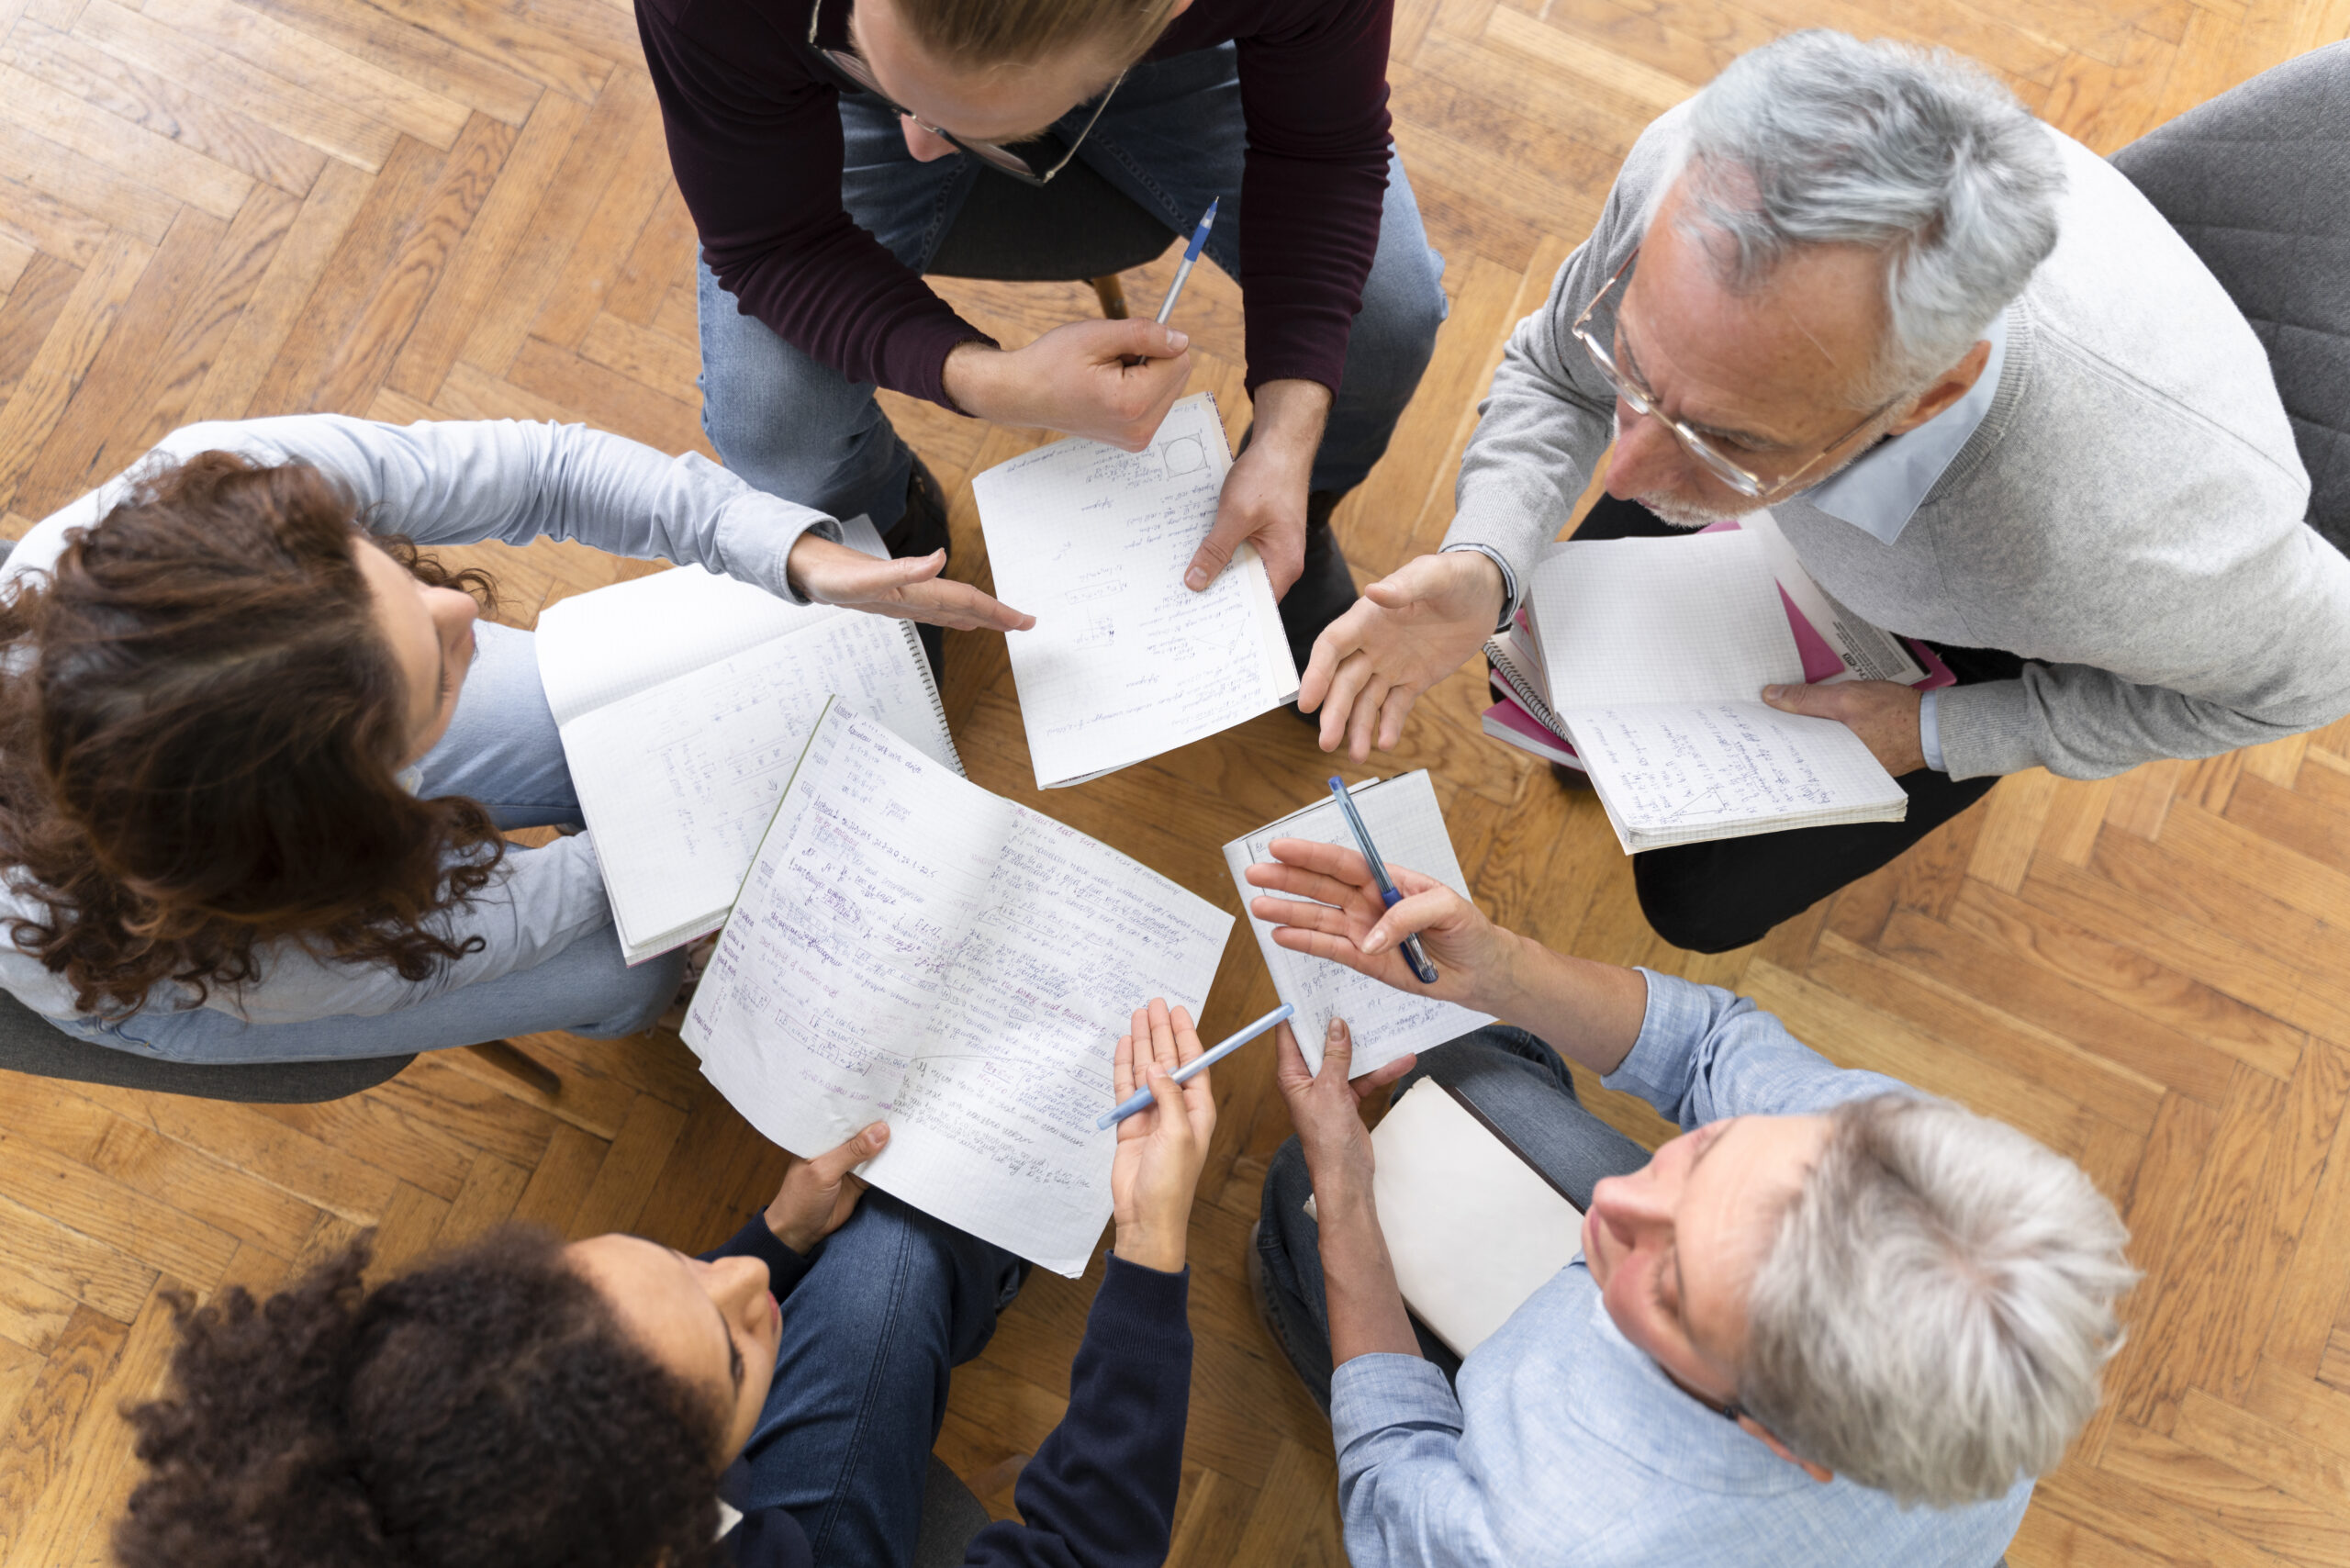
(210, 208)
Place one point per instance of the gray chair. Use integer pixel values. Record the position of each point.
(1077, 228)
(951, 1516)
(2257, 181)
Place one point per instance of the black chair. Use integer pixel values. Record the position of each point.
(2257, 181)
(951, 1516)
(1078, 228)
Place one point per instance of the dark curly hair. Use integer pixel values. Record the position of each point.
(201, 732)
(484, 1411)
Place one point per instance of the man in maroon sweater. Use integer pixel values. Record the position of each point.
(825, 147)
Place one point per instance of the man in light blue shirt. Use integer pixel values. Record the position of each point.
(1836, 1321)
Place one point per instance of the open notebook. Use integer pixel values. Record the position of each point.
(1124, 662)
(1654, 653)
(1408, 826)
(1472, 1228)
(682, 700)
(911, 947)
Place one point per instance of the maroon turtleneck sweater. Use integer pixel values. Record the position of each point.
(755, 135)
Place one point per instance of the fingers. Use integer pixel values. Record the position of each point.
(1149, 339)
(1326, 859)
(958, 606)
(1122, 1077)
(1163, 1050)
(1363, 721)
(1289, 1062)
(1337, 1051)
(833, 1164)
(1187, 1039)
(1391, 714)
(1820, 701)
(1413, 915)
(1309, 916)
(1379, 1078)
(1330, 649)
(1233, 524)
(1337, 948)
(1338, 708)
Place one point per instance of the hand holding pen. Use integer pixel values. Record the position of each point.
(1184, 267)
(1323, 900)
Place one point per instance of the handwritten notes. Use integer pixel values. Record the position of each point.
(1124, 662)
(910, 947)
(683, 705)
(1408, 826)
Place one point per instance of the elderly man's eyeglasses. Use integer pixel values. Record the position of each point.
(859, 75)
(1693, 442)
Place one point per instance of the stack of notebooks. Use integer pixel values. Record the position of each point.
(1642, 661)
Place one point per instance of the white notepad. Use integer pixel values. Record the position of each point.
(682, 700)
(1654, 653)
(1124, 662)
(911, 947)
(1408, 826)
(1471, 1227)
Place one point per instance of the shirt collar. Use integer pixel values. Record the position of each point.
(1880, 490)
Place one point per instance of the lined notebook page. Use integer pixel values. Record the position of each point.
(1124, 662)
(595, 648)
(1680, 773)
(678, 781)
(1693, 618)
(1408, 826)
(909, 946)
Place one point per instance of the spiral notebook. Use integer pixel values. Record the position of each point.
(682, 700)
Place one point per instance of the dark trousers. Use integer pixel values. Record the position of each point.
(1724, 893)
(1518, 1083)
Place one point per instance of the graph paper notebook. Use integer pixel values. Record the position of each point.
(1408, 826)
(682, 700)
(911, 949)
(1124, 662)
(1654, 653)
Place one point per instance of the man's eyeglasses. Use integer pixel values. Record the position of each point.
(853, 69)
(1693, 442)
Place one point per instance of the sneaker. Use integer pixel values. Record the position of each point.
(1323, 590)
(921, 529)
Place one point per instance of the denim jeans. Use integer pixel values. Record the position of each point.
(895, 1301)
(1519, 1084)
(501, 750)
(1172, 139)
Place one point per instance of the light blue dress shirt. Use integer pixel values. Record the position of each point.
(1568, 1447)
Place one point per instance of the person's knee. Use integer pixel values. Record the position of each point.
(614, 999)
(1693, 915)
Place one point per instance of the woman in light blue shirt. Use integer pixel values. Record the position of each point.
(257, 753)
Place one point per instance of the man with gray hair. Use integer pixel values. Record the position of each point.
(1834, 1323)
(1990, 397)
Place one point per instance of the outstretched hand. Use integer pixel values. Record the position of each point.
(1162, 1148)
(1409, 631)
(1333, 911)
(818, 1196)
(910, 590)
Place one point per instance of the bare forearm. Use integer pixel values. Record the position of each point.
(1366, 1315)
(1289, 419)
(1590, 1012)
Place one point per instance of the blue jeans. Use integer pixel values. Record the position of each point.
(1522, 1088)
(1172, 139)
(502, 750)
(895, 1301)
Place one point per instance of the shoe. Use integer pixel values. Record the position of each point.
(1323, 590)
(921, 529)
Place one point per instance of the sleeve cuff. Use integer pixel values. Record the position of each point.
(1509, 581)
(1372, 1392)
(785, 1268)
(1657, 1068)
(1930, 729)
(1985, 730)
(1146, 1290)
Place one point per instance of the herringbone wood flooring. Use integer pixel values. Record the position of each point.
(216, 207)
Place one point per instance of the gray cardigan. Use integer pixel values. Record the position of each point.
(2127, 515)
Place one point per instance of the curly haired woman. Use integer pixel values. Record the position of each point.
(613, 1403)
(256, 754)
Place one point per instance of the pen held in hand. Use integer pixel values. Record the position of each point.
(1415, 953)
(1142, 1100)
(1183, 270)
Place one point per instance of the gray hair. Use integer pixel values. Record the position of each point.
(1937, 1307)
(1820, 139)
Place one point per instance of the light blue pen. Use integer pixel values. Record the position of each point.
(1191, 256)
(1140, 1100)
(1389, 894)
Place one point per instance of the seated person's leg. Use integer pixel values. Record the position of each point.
(1394, 334)
(896, 1300)
(585, 988)
(1516, 1083)
(501, 747)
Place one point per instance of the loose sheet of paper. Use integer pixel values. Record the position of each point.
(1726, 769)
(1124, 662)
(1408, 826)
(910, 947)
(1695, 619)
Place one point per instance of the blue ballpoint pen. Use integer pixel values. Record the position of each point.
(1140, 1100)
(1413, 954)
(1190, 255)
